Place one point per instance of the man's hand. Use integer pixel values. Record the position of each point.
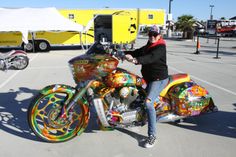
(129, 58)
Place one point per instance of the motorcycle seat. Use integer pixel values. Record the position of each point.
(174, 80)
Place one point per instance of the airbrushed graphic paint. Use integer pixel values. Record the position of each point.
(60, 112)
(42, 118)
(121, 78)
(189, 99)
(86, 67)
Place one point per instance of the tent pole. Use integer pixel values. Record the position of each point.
(32, 37)
(81, 43)
(86, 41)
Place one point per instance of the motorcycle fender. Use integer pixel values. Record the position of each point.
(190, 99)
(61, 88)
(58, 88)
(19, 53)
(70, 91)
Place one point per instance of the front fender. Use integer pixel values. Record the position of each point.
(79, 118)
(70, 91)
(61, 88)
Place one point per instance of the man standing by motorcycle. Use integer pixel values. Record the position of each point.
(152, 57)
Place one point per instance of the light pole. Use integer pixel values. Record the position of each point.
(170, 6)
(169, 18)
(211, 16)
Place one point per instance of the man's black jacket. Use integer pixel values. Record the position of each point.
(152, 57)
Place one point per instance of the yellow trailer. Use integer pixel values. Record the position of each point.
(118, 26)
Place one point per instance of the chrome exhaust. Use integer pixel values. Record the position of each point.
(169, 117)
(100, 111)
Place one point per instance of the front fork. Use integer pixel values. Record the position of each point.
(82, 88)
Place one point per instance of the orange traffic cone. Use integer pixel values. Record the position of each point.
(198, 44)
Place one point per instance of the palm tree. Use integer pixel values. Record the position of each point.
(223, 18)
(185, 24)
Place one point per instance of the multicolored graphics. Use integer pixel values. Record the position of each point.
(86, 67)
(122, 78)
(189, 99)
(60, 112)
(46, 118)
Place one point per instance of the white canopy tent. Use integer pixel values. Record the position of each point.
(27, 20)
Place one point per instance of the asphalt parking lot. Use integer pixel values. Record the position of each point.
(212, 135)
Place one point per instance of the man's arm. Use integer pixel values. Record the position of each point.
(152, 56)
(136, 52)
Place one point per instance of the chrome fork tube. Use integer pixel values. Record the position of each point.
(78, 95)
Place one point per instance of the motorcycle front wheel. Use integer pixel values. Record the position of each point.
(47, 124)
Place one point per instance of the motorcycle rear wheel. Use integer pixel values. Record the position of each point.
(20, 62)
(45, 122)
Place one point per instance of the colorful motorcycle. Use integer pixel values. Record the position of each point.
(14, 59)
(60, 112)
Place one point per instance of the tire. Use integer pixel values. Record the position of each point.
(21, 62)
(44, 118)
(43, 45)
(29, 47)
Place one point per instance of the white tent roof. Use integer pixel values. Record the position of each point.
(27, 20)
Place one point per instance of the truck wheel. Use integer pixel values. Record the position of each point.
(43, 45)
(29, 46)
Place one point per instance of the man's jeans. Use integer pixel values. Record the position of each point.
(153, 90)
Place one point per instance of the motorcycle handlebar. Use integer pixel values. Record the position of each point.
(121, 55)
(118, 54)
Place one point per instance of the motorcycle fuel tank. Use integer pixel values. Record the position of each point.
(121, 78)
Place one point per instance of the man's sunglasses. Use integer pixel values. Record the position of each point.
(154, 34)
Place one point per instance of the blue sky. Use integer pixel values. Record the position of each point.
(200, 9)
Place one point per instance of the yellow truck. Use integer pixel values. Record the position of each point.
(118, 26)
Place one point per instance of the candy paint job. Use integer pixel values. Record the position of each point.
(49, 96)
(189, 99)
(174, 80)
(89, 66)
(60, 112)
(122, 78)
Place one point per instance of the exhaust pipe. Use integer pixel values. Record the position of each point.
(169, 117)
(100, 112)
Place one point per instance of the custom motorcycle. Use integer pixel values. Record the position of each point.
(16, 59)
(60, 112)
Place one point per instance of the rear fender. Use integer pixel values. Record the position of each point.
(211, 107)
(190, 99)
(19, 53)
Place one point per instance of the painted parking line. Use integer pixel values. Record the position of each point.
(209, 83)
(15, 73)
(9, 79)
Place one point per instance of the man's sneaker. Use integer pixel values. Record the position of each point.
(150, 141)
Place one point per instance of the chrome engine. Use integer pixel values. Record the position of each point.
(2, 64)
(124, 108)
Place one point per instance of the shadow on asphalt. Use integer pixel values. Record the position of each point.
(207, 46)
(140, 138)
(220, 123)
(225, 53)
(13, 113)
(13, 119)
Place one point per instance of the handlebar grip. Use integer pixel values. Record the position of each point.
(118, 53)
